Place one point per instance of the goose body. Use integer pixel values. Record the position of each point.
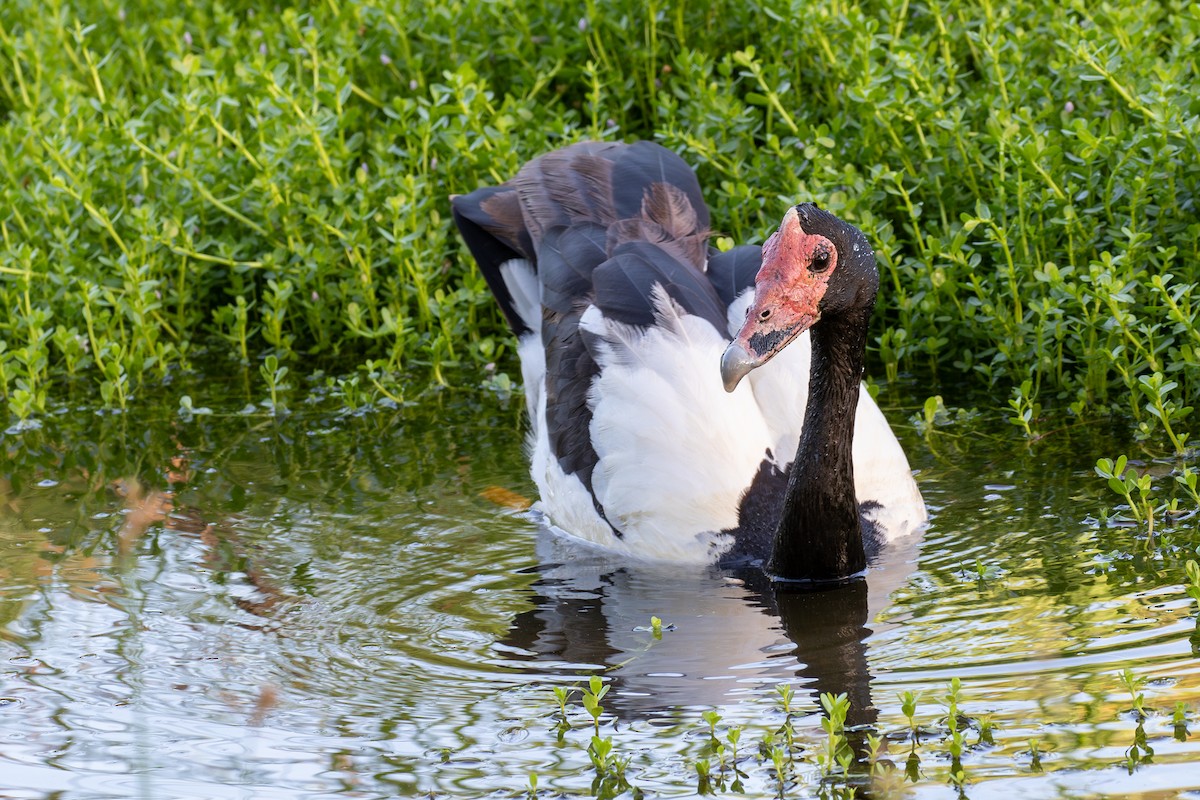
(598, 257)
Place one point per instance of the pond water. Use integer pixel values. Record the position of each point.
(331, 604)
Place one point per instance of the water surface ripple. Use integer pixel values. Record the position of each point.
(327, 605)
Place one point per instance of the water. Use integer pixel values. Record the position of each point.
(343, 605)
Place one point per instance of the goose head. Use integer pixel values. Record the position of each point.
(814, 267)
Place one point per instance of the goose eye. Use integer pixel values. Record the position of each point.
(820, 262)
(764, 315)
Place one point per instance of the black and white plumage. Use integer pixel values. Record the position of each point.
(598, 256)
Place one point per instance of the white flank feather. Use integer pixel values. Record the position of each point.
(522, 283)
(882, 478)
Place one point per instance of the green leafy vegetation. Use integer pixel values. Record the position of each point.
(876, 760)
(180, 184)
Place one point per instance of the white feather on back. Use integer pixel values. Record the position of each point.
(676, 451)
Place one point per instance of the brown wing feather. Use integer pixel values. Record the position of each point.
(567, 186)
(689, 250)
(506, 223)
(668, 206)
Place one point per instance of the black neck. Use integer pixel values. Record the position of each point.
(819, 536)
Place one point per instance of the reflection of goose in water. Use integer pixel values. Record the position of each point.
(733, 631)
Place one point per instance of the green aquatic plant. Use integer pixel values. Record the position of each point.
(187, 410)
(956, 740)
(1192, 570)
(1133, 684)
(781, 764)
(908, 707)
(875, 750)
(1179, 721)
(1026, 412)
(986, 726)
(734, 736)
(273, 374)
(562, 694)
(1124, 481)
(835, 751)
(1157, 391)
(704, 776)
(1035, 755)
(590, 696)
(711, 717)
(785, 693)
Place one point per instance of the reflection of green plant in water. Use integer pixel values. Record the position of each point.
(1140, 752)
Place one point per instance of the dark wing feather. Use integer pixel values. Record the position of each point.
(494, 235)
(623, 286)
(669, 207)
(602, 223)
(570, 369)
(733, 271)
(567, 186)
(565, 263)
(644, 163)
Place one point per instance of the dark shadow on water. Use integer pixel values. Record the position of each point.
(726, 635)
